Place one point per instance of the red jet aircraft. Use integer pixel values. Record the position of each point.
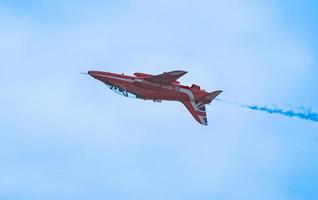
(160, 87)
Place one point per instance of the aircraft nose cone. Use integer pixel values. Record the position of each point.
(92, 73)
(96, 74)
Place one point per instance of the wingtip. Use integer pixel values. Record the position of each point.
(217, 92)
(182, 71)
(177, 72)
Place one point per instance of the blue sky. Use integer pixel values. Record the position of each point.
(66, 136)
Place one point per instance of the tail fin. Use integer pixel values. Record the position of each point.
(198, 112)
(197, 109)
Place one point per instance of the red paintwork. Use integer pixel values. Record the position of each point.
(148, 90)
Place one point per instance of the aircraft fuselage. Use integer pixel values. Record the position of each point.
(163, 87)
(147, 90)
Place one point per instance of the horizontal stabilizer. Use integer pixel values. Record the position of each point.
(208, 98)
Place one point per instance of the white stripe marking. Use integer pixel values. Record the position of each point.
(202, 120)
(117, 78)
(191, 97)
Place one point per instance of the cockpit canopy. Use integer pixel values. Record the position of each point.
(121, 91)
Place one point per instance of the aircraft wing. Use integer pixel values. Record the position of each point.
(167, 77)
